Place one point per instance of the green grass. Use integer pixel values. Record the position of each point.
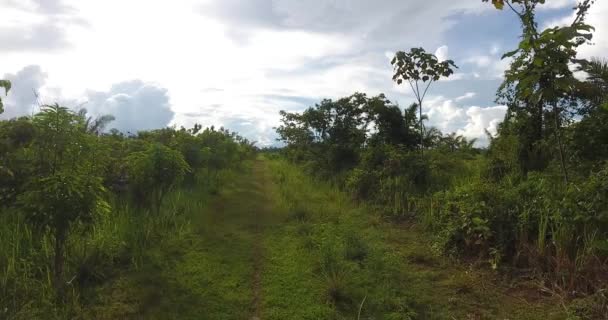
(206, 271)
(276, 244)
(399, 276)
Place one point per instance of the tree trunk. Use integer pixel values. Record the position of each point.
(60, 238)
(561, 146)
(421, 128)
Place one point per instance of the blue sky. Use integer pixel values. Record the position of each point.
(237, 63)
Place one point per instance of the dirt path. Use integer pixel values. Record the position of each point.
(217, 272)
(258, 250)
(262, 248)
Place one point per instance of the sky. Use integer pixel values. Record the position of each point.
(238, 63)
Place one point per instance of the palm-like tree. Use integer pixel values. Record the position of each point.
(597, 69)
(596, 86)
(432, 137)
(455, 142)
(95, 125)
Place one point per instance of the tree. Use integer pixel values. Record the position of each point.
(540, 84)
(420, 69)
(95, 125)
(7, 87)
(66, 187)
(594, 90)
(156, 171)
(16, 136)
(332, 132)
(392, 125)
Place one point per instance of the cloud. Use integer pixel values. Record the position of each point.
(38, 37)
(557, 4)
(21, 99)
(597, 18)
(136, 105)
(468, 121)
(481, 119)
(377, 24)
(36, 25)
(466, 96)
(442, 53)
(257, 57)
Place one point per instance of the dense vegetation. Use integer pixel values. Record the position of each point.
(77, 206)
(534, 202)
(364, 213)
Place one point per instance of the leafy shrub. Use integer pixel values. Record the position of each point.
(154, 172)
(361, 183)
(477, 217)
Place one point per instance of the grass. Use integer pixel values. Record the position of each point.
(348, 257)
(273, 243)
(203, 272)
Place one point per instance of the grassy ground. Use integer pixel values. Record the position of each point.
(386, 271)
(274, 244)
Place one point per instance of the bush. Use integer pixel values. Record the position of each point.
(477, 217)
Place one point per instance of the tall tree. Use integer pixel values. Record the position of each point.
(7, 87)
(420, 69)
(393, 126)
(66, 187)
(539, 86)
(334, 131)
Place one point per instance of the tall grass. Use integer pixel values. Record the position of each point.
(114, 243)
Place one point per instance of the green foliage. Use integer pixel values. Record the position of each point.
(7, 87)
(505, 205)
(67, 226)
(156, 171)
(63, 188)
(418, 66)
(354, 262)
(539, 87)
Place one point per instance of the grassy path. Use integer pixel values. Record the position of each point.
(276, 245)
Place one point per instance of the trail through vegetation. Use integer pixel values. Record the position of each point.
(363, 213)
(275, 244)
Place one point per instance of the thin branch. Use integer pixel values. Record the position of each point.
(513, 9)
(414, 90)
(425, 90)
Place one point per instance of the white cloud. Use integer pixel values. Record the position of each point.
(445, 115)
(466, 96)
(468, 121)
(442, 53)
(255, 53)
(598, 18)
(557, 4)
(488, 66)
(21, 99)
(36, 25)
(136, 105)
(481, 119)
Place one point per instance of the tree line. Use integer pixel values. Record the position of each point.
(535, 199)
(64, 179)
